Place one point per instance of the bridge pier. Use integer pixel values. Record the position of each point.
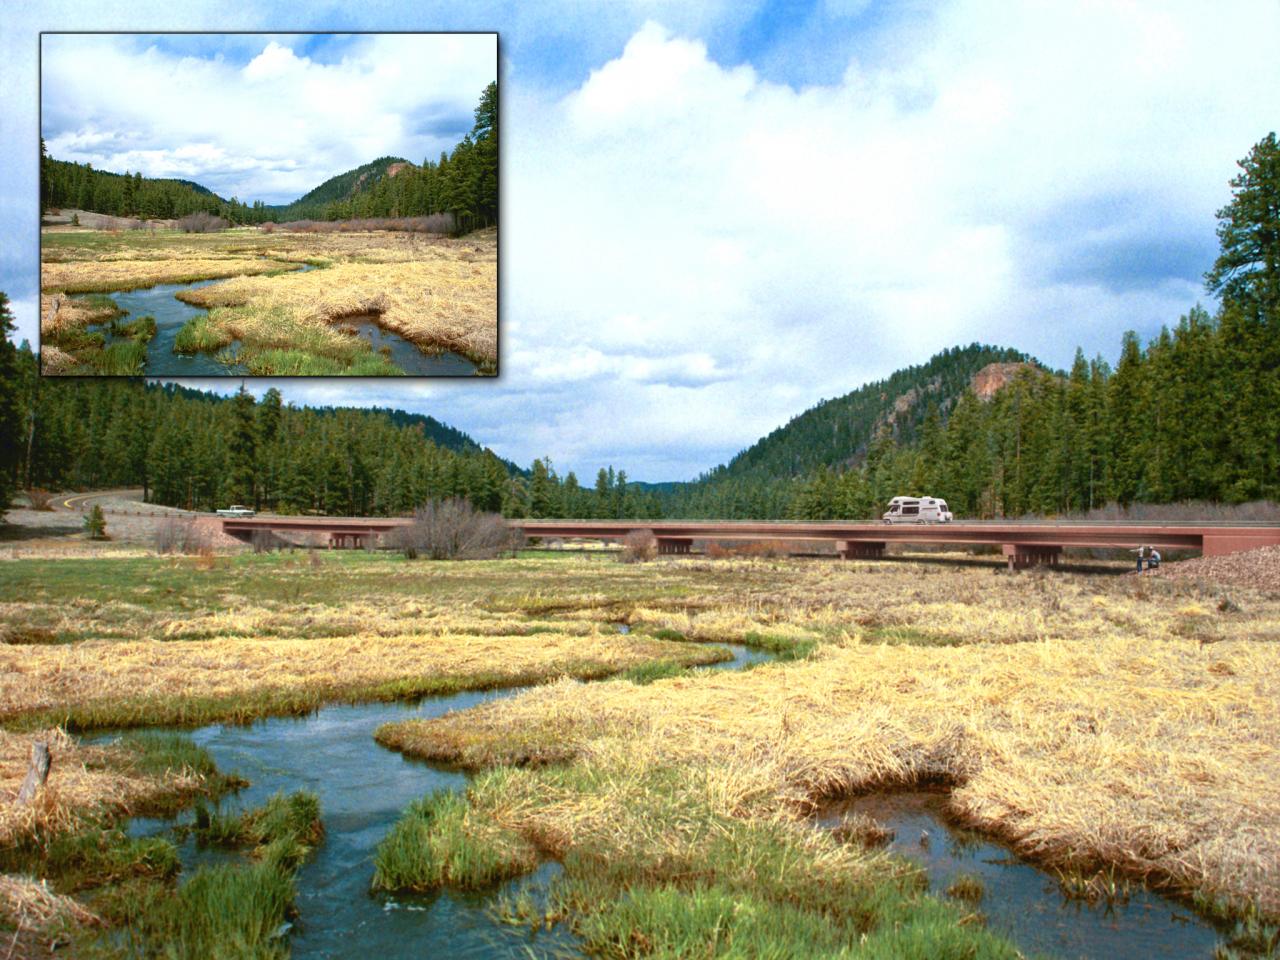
(343, 541)
(675, 544)
(860, 549)
(1023, 555)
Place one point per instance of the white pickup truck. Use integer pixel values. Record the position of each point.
(236, 510)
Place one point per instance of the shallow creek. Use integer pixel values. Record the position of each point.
(364, 788)
(171, 314)
(1022, 901)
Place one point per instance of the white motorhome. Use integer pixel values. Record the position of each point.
(917, 510)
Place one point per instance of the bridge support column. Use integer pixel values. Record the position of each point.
(674, 544)
(1023, 555)
(860, 549)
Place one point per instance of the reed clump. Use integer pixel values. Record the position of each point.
(440, 842)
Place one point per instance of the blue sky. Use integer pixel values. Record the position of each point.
(717, 214)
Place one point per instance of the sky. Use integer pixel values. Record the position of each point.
(253, 116)
(716, 215)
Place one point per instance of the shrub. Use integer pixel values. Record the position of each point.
(437, 223)
(638, 546)
(75, 219)
(40, 499)
(181, 535)
(452, 530)
(266, 541)
(201, 222)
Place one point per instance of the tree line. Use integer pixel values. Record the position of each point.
(463, 183)
(201, 451)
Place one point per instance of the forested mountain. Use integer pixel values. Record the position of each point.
(64, 184)
(199, 450)
(836, 433)
(462, 182)
(342, 187)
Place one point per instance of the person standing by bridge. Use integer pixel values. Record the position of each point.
(1143, 553)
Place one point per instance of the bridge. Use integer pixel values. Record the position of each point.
(1023, 544)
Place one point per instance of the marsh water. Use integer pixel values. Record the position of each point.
(171, 314)
(406, 355)
(364, 788)
(1024, 902)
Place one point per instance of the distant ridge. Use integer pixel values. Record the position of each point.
(344, 185)
(837, 432)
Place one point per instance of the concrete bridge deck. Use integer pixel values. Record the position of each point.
(1024, 544)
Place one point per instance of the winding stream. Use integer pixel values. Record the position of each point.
(171, 314)
(364, 788)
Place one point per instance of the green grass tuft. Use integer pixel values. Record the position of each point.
(225, 912)
(142, 328)
(436, 844)
(198, 335)
(124, 358)
(653, 670)
(781, 646)
(298, 363)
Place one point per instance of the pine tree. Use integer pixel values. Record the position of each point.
(1247, 270)
(12, 402)
(241, 474)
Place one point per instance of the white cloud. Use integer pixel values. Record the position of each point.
(270, 128)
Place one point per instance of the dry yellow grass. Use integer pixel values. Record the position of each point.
(104, 675)
(82, 779)
(1109, 737)
(38, 916)
(441, 300)
(99, 275)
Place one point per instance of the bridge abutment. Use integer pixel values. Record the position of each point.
(861, 549)
(1023, 555)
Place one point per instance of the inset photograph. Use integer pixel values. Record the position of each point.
(269, 205)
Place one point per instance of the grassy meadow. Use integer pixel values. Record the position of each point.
(438, 293)
(1103, 725)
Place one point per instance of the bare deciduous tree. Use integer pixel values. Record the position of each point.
(638, 546)
(452, 530)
